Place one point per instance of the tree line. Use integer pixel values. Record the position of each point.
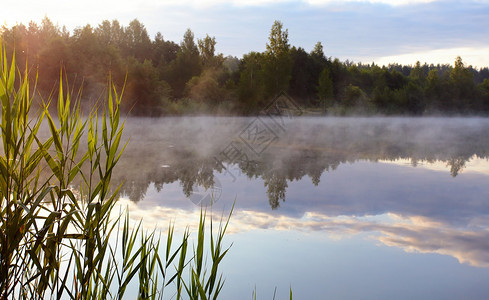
(163, 77)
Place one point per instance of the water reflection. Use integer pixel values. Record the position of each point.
(415, 184)
(184, 150)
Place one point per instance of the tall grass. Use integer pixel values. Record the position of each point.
(57, 237)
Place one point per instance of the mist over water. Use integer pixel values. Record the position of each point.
(191, 149)
(206, 135)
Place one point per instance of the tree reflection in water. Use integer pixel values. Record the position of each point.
(184, 150)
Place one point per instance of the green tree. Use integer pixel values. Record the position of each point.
(462, 82)
(250, 86)
(144, 90)
(164, 52)
(415, 98)
(186, 65)
(483, 88)
(16, 38)
(417, 74)
(278, 40)
(117, 35)
(339, 76)
(109, 52)
(394, 79)
(86, 49)
(33, 44)
(188, 46)
(205, 88)
(325, 89)
(104, 32)
(318, 54)
(304, 76)
(353, 96)
(278, 63)
(138, 41)
(207, 47)
(433, 89)
(415, 88)
(48, 30)
(54, 56)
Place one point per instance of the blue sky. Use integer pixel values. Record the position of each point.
(383, 31)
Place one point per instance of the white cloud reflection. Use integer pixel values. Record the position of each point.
(475, 164)
(469, 244)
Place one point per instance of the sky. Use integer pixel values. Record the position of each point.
(380, 31)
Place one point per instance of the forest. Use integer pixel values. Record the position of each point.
(162, 77)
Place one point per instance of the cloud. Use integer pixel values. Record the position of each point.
(412, 234)
(418, 234)
(468, 244)
(477, 57)
(356, 30)
(242, 3)
(388, 2)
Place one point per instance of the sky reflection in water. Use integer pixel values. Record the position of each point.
(344, 208)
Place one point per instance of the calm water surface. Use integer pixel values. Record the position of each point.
(336, 208)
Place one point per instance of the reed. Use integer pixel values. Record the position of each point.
(57, 231)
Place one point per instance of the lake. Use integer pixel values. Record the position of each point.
(334, 208)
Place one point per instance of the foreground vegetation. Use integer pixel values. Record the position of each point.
(62, 240)
(164, 77)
